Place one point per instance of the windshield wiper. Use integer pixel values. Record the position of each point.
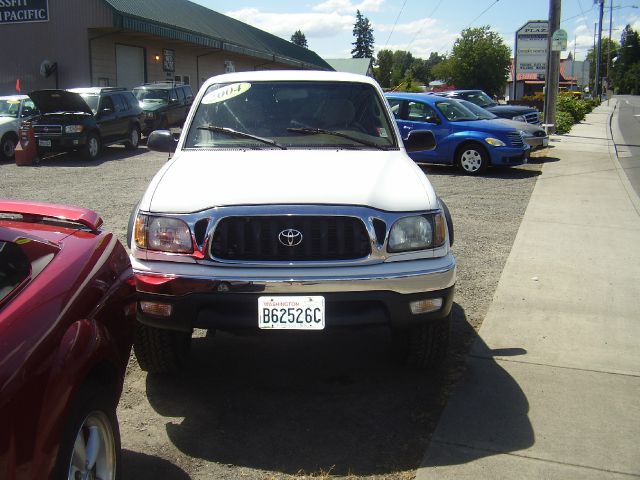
(235, 133)
(320, 131)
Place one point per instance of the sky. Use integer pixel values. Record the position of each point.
(423, 26)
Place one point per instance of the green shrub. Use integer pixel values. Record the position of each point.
(578, 109)
(564, 122)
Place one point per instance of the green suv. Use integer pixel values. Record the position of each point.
(165, 104)
(85, 120)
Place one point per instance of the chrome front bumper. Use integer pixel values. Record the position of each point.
(405, 277)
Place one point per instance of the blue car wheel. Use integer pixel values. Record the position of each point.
(472, 158)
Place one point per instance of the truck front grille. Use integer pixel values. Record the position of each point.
(532, 117)
(290, 238)
(47, 130)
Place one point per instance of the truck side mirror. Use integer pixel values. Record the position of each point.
(162, 141)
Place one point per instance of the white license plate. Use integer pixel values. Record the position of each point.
(545, 142)
(44, 143)
(291, 313)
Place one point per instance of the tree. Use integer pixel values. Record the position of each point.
(382, 72)
(479, 59)
(362, 30)
(604, 50)
(298, 38)
(627, 62)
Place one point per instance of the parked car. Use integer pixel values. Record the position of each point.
(165, 104)
(67, 307)
(290, 204)
(519, 113)
(86, 120)
(533, 135)
(463, 140)
(13, 109)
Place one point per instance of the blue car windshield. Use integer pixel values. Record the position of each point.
(454, 111)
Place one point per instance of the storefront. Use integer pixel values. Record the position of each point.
(72, 43)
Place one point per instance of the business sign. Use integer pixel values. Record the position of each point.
(24, 11)
(559, 41)
(531, 47)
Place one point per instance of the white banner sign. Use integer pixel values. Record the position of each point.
(531, 47)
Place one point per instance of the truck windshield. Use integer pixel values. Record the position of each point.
(146, 94)
(480, 98)
(339, 114)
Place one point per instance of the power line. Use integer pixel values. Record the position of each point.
(422, 25)
(394, 24)
(482, 13)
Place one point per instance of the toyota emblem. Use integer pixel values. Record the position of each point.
(290, 237)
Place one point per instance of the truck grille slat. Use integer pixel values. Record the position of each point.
(312, 238)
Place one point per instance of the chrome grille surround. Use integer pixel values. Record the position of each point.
(372, 219)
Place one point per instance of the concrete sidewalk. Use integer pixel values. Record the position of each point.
(552, 388)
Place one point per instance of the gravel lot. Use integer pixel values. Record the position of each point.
(321, 406)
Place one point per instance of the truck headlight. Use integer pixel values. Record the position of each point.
(73, 128)
(494, 142)
(519, 118)
(162, 233)
(417, 233)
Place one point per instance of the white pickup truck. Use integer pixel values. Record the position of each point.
(290, 204)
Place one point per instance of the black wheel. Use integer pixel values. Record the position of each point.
(423, 346)
(134, 138)
(472, 158)
(159, 350)
(90, 444)
(8, 147)
(91, 150)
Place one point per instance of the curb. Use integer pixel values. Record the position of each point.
(613, 154)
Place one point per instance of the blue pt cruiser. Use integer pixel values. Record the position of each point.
(462, 138)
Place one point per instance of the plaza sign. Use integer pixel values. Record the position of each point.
(24, 11)
(531, 47)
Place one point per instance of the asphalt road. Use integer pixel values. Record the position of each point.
(627, 137)
(294, 406)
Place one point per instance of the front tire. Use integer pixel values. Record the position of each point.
(134, 138)
(90, 445)
(159, 350)
(8, 147)
(472, 159)
(423, 346)
(91, 150)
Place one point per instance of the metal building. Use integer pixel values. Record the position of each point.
(75, 43)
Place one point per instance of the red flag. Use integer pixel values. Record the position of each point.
(18, 85)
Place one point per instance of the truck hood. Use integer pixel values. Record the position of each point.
(195, 181)
(52, 101)
(152, 105)
(8, 120)
(511, 110)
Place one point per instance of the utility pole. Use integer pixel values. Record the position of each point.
(609, 47)
(597, 79)
(553, 67)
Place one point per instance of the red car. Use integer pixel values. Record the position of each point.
(67, 307)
